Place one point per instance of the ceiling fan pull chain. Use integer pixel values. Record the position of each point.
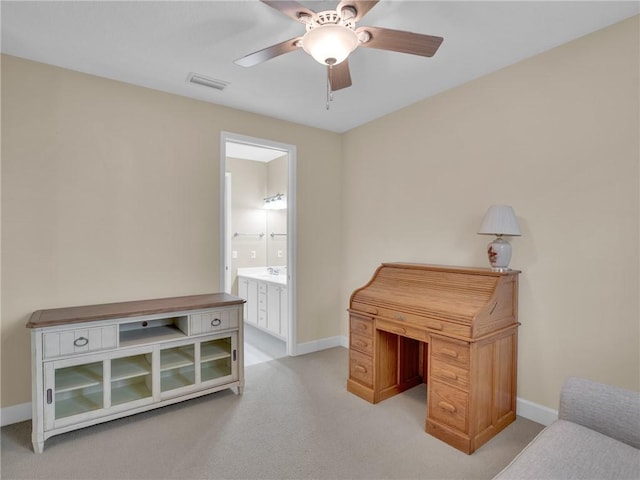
(329, 91)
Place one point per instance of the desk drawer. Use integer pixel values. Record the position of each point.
(453, 353)
(448, 405)
(213, 321)
(431, 324)
(81, 340)
(361, 368)
(450, 374)
(361, 343)
(361, 326)
(401, 329)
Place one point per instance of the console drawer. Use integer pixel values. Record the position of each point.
(361, 368)
(448, 405)
(213, 321)
(81, 340)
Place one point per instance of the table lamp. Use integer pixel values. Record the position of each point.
(499, 220)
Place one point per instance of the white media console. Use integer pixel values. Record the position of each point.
(96, 363)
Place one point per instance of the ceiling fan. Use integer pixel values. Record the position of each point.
(332, 35)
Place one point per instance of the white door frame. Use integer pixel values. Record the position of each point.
(292, 238)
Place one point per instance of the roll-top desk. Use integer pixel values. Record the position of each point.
(453, 328)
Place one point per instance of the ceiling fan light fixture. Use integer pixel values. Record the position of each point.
(330, 44)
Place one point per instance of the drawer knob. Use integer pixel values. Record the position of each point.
(80, 341)
(448, 352)
(360, 368)
(447, 406)
(216, 322)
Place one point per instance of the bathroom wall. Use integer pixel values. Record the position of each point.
(277, 219)
(251, 224)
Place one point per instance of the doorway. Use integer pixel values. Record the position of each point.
(258, 241)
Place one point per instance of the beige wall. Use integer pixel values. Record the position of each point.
(110, 192)
(556, 137)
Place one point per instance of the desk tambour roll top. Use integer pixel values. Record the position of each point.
(457, 302)
(453, 328)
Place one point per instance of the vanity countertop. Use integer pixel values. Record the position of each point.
(266, 274)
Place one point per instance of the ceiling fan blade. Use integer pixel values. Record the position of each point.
(400, 41)
(339, 76)
(268, 53)
(292, 9)
(361, 7)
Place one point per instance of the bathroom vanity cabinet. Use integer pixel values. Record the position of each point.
(266, 296)
(96, 363)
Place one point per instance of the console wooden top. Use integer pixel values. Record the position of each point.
(105, 311)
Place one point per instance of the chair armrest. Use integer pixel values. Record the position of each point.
(612, 411)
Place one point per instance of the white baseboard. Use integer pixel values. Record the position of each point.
(15, 414)
(536, 413)
(322, 344)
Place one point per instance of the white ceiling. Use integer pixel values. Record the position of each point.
(157, 45)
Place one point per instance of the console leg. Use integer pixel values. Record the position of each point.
(38, 446)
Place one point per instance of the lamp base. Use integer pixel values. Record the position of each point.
(499, 253)
(500, 269)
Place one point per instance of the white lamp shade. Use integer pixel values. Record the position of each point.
(330, 44)
(500, 220)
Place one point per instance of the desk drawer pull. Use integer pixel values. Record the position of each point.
(449, 353)
(435, 326)
(81, 341)
(216, 322)
(447, 406)
(360, 343)
(448, 374)
(360, 368)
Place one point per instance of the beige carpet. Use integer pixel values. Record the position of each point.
(295, 420)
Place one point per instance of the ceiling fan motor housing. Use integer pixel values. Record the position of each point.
(330, 38)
